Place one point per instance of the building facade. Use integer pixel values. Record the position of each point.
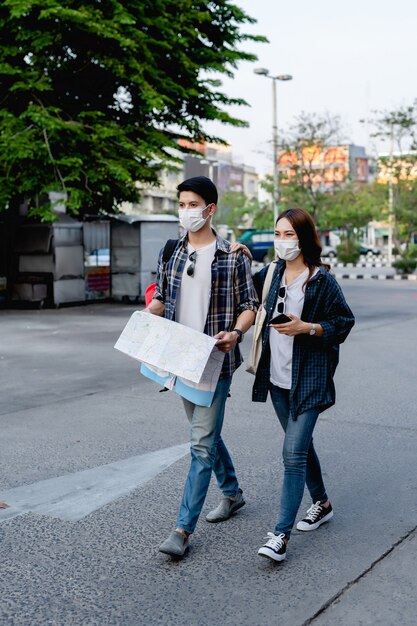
(327, 168)
(214, 161)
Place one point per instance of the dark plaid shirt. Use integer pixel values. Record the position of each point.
(314, 359)
(232, 292)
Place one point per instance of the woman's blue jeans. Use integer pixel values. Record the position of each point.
(301, 463)
(208, 453)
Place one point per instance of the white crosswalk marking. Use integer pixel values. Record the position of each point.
(73, 496)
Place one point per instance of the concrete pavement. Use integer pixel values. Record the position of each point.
(71, 403)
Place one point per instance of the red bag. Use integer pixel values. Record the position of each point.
(150, 290)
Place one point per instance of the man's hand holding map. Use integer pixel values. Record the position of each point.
(173, 355)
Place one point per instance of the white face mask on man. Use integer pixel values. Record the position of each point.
(287, 249)
(192, 219)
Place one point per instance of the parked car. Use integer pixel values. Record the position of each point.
(328, 251)
(260, 244)
(329, 241)
(368, 250)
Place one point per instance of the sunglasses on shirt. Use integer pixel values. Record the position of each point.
(281, 318)
(192, 258)
(282, 295)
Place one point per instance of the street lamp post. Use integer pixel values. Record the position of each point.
(262, 71)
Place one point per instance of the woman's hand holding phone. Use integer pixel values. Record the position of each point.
(291, 326)
(280, 319)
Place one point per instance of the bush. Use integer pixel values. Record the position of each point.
(348, 251)
(408, 262)
(411, 252)
(405, 266)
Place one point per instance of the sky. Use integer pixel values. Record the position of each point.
(346, 58)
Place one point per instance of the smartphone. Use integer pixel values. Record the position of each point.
(280, 319)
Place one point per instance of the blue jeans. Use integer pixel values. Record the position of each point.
(208, 453)
(301, 463)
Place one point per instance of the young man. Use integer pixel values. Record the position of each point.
(209, 288)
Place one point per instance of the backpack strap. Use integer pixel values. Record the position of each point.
(169, 248)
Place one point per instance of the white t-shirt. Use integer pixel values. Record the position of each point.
(194, 293)
(281, 345)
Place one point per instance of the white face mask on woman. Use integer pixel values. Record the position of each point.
(192, 219)
(287, 249)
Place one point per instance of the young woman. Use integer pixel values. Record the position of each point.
(297, 364)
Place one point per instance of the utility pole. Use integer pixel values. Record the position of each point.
(262, 71)
(390, 194)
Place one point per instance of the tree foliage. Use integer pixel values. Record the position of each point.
(238, 211)
(398, 126)
(302, 147)
(353, 207)
(399, 129)
(406, 213)
(92, 93)
(346, 205)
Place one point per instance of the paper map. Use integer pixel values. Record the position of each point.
(175, 350)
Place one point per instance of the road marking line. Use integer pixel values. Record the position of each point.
(73, 496)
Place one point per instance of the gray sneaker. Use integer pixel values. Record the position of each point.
(176, 544)
(226, 508)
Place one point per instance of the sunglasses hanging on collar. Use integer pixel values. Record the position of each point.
(192, 258)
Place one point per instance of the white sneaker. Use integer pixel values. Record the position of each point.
(275, 548)
(317, 515)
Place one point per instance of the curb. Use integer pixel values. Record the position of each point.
(376, 276)
(359, 265)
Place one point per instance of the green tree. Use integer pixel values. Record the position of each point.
(94, 94)
(238, 211)
(353, 207)
(263, 218)
(406, 213)
(399, 129)
(348, 210)
(302, 181)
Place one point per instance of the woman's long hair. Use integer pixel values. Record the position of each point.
(308, 239)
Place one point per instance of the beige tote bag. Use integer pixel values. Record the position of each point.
(256, 350)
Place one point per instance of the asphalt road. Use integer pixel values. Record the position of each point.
(95, 453)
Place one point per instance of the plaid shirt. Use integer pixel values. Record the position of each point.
(232, 292)
(314, 359)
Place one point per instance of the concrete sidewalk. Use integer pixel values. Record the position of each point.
(386, 594)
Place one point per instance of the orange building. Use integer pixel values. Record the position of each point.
(325, 167)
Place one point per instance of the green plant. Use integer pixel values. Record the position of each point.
(411, 252)
(407, 264)
(348, 251)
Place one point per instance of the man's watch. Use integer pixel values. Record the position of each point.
(313, 329)
(239, 334)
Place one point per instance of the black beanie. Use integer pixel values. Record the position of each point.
(201, 185)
